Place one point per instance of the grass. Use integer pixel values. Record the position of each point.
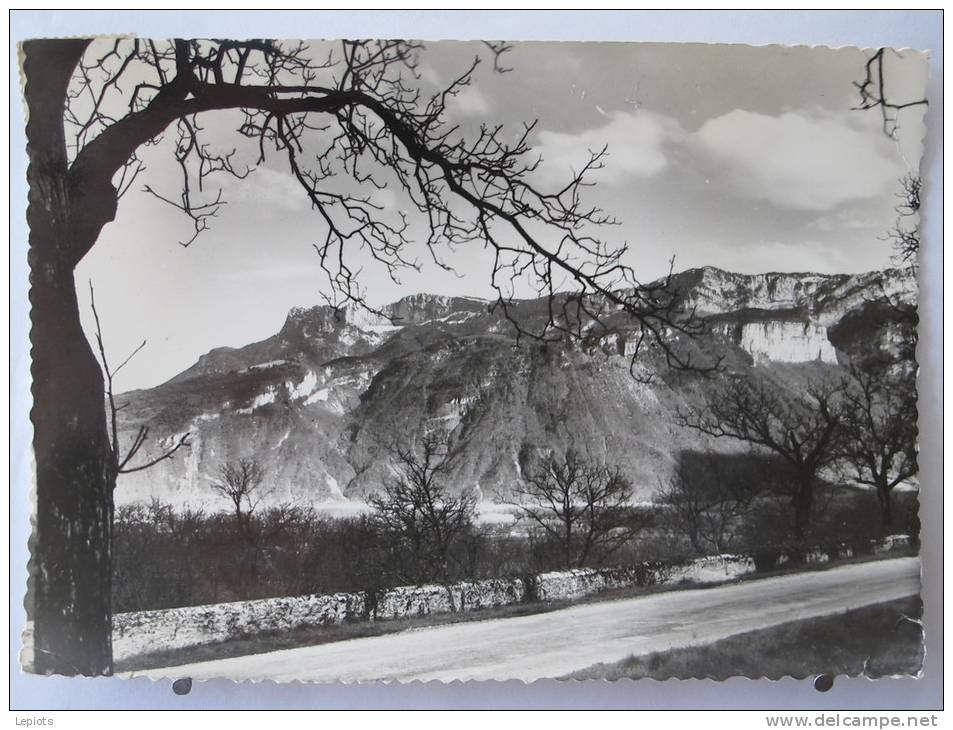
(876, 641)
(265, 642)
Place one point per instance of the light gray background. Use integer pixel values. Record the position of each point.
(918, 29)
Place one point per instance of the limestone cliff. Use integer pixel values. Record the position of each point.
(318, 402)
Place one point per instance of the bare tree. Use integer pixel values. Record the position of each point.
(880, 431)
(708, 495)
(803, 431)
(905, 234)
(355, 112)
(880, 444)
(417, 510)
(585, 507)
(239, 483)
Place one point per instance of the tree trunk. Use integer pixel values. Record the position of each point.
(567, 546)
(803, 505)
(70, 565)
(886, 513)
(75, 478)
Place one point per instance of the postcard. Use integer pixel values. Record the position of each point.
(390, 360)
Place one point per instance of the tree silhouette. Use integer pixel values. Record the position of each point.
(416, 510)
(355, 113)
(583, 506)
(238, 482)
(880, 428)
(905, 234)
(708, 495)
(803, 431)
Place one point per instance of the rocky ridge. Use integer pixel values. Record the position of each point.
(319, 402)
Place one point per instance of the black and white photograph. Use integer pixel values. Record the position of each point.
(395, 360)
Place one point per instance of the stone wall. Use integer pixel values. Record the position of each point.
(561, 585)
(713, 569)
(428, 599)
(143, 632)
(140, 632)
(175, 628)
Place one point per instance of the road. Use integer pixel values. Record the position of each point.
(557, 643)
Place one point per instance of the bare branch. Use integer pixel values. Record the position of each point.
(905, 235)
(874, 94)
(416, 509)
(498, 48)
(119, 461)
(180, 442)
(582, 506)
(880, 424)
(803, 431)
(359, 114)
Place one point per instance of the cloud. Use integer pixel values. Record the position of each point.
(278, 190)
(635, 148)
(471, 102)
(846, 220)
(269, 188)
(799, 160)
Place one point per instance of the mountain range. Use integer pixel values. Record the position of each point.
(321, 402)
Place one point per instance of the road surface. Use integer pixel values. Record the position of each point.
(557, 643)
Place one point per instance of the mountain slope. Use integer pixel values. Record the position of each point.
(319, 403)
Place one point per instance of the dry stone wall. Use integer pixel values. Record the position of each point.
(565, 584)
(713, 569)
(428, 599)
(144, 632)
(176, 628)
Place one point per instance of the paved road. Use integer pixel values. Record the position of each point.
(556, 643)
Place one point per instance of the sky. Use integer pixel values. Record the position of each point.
(746, 158)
